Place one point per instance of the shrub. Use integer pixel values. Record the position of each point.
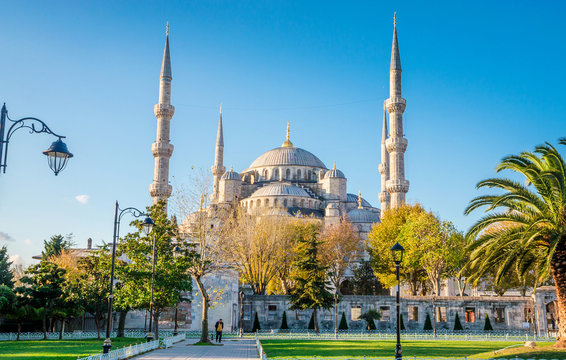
(427, 323)
(343, 323)
(457, 323)
(369, 316)
(256, 326)
(487, 326)
(284, 325)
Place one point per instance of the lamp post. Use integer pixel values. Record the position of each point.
(241, 313)
(397, 252)
(57, 154)
(150, 333)
(147, 224)
(434, 314)
(177, 253)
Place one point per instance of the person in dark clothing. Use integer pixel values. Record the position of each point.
(218, 327)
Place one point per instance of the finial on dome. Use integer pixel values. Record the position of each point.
(167, 31)
(288, 142)
(334, 167)
(360, 200)
(231, 168)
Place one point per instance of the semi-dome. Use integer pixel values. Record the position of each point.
(280, 189)
(363, 216)
(353, 198)
(287, 156)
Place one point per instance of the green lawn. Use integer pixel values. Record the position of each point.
(386, 348)
(57, 349)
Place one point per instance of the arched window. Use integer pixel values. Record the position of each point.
(275, 202)
(299, 174)
(276, 174)
(258, 203)
(309, 175)
(251, 204)
(310, 204)
(302, 202)
(265, 174)
(266, 203)
(294, 202)
(288, 174)
(285, 202)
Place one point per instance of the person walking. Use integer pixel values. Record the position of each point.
(218, 327)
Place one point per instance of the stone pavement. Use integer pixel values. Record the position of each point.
(232, 349)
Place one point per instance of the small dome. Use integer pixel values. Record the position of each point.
(287, 156)
(353, 198)
(334, 173)
(231, 175)
(280, 189)
(363, 216)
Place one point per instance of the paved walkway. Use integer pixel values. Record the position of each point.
(185, 350)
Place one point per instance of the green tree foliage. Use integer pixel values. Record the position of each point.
(524, 226)
(55, 246)
(7, 299)
(343, 323)
(311, 289)
(43, 287)
(256, 326)
(171, 277)
(457, 323)
(427, 323)
(6, 276)
(487, 326)
(23, 312)
(364, 281)
(284, 325)
(369, 317)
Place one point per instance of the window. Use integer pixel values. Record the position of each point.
(470, 314)
(271, 312)
(440, 314)
(356, 311)
(285, 202)
(265, 174)
(499, 315)
(266, 202)
(276, 174)
(302, 202)
(298, 315)
(275, 202)
(413, 313)
(247, 311)
(288, 174)
(309, 175)
(385, 313)
(271, 307)
(298, 174)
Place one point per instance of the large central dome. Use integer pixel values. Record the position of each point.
(287, 156)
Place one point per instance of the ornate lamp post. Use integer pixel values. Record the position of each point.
(150, 332)
(147, 224)
(397, 252)
(57, 154)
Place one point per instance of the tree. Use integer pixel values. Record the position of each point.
(6, 275)
(427, 323)
(7, 299)
(487, 326)
(256, 326)
(456, 266)
(343, 323)
(43, 287)
(309, 275)
(55, 245)
(369, 317)
(532, 213)
(457, 323)
(284, 325)
(171, 277)
(364, 281)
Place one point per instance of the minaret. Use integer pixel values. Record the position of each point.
(218, 169)
(384, 197)
(396, 144)
(161, 148)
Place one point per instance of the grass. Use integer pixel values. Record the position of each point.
(386, 348)
(57, 349)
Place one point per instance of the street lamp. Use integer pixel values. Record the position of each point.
(57, 154)
(117, 218)
(147, 227)
(397, 252)
(241, 313)
(434, 314)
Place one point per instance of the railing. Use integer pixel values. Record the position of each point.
(260, 351)
(125, 352)
(170, 340)
(392, 357)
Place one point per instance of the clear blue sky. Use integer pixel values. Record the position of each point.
(482, 80)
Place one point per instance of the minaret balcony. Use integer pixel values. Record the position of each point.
(164, 110)
(396, 144)
(161, 149)
(160, 190)
(383, 168)
(384, 197)
(396, 104)
(218, 170)
(397, 186)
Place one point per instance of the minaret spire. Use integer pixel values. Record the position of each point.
(218, 168)
(384, 197)
(288, 142)
(161, 148)
(397, 186)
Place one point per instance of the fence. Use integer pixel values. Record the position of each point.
(125, 352)
(169, 341)
(260, 351)
(392, 358)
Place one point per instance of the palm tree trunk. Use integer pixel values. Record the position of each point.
(558, 267)
(205, 304)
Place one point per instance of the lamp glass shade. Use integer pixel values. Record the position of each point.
(397, 252)
(177, 252)
(57, 156)
(147, 225)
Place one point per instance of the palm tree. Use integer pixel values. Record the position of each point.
(525, 225)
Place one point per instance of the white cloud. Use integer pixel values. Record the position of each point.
(5, 237)
(27, 241)
(83, 199)
(17, 259)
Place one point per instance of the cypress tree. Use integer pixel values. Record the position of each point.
(372, 325)
(284, 325)
(487, 326)
(457, 323)
(343, 323)
(256, 326)
(427, 323)
(311, 322)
